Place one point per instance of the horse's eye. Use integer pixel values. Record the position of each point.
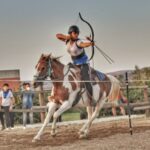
(43, 68)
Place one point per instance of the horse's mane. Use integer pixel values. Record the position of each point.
(53, 58)
(56, 59)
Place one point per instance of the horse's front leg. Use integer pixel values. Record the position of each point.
(64, 107)
(51, 110)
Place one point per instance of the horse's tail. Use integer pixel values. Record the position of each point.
(115, 88)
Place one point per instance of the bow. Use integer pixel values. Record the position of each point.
(92, 33)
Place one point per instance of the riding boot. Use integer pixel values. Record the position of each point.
(85, 75)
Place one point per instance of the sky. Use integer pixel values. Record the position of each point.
(28, 29)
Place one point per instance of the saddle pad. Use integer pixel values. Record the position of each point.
(100, 75)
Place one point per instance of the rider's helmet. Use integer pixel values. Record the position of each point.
(73, 28)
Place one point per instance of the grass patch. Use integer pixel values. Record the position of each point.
(71, 116)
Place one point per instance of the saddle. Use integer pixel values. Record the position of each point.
(91, 75)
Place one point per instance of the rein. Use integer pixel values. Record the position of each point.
(51, 72)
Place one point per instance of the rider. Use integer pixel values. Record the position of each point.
(75, 47)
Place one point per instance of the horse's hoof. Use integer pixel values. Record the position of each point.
(53, 134)
(83, 136)
(81, 132)
(35, 140)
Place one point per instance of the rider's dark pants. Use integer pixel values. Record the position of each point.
(85, 75)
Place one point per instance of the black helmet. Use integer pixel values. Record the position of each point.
(73, 28)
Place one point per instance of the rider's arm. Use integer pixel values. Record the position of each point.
(63, 37)
(86, 44)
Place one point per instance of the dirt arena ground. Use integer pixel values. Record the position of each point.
(112, 135)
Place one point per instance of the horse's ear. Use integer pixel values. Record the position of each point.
(36, 66)
(42, 55)
(49, 55)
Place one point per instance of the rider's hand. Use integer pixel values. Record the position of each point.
(92, 43)
(88, 38)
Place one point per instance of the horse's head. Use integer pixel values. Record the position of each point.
(45, 67)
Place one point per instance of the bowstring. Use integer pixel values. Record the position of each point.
(93, 63)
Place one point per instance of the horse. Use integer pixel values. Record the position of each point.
(69, 91)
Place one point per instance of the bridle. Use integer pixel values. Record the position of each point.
(50, 73)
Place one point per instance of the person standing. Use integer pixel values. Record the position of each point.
(12, 115)
(6, 103)
(121, 100)
(27, 103)
(2, 120)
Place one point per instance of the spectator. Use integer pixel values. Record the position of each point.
(2, 120)
(6, 102)
(121, 100)
(27, 103)
(12, 114)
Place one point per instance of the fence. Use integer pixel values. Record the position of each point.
(145, 105)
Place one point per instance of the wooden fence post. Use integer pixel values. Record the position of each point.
(147, 112)
(41, 102)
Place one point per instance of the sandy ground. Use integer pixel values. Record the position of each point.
(108, 135)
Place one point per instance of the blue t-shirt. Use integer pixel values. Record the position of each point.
(82, 60)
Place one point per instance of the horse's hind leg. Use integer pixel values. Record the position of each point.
(85, 129)
(89, 110)
(51, 110)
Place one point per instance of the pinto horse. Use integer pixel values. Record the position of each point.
(68, 91)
